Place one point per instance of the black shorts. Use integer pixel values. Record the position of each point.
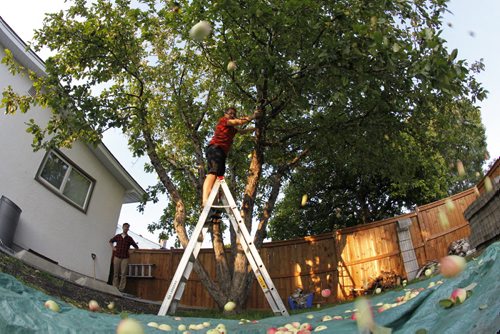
(216, 160)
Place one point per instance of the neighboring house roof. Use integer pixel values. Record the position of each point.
(142, 242)
(29, 59)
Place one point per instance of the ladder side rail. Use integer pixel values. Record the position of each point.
(260, 272)
(185, 277)
(255, 267)
(254, 259)
(241, 227)
(183, 266)
(186, 274)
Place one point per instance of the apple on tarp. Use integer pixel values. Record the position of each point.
(52, 305)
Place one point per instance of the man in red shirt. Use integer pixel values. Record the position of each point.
(121, 255)
(220, 144)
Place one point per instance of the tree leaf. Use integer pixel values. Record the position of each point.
(446, 303)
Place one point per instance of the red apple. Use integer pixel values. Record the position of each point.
(452, 265)
(458, 295)
(94, 306)
(326, 293)
(271, 330)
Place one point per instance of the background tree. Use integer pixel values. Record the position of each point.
(330, 76)
(370, 177)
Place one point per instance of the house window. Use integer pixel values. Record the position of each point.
(65, 179)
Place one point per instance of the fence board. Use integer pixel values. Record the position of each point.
(345, 260)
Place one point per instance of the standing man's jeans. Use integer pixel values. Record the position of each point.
(120, 268)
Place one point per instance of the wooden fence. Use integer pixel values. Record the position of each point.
(345, 260)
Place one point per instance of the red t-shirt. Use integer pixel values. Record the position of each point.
(224, 135)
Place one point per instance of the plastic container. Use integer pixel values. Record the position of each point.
(294, 306)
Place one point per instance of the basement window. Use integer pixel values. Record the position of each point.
(61, 176)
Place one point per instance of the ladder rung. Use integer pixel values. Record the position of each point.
(220, 206)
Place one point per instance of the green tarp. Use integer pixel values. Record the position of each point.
(22, 309)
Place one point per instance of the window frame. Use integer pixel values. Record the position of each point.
(60, 191)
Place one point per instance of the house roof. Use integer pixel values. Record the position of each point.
(29, 59)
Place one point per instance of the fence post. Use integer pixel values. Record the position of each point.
(407, 250)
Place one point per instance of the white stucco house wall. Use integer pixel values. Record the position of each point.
(70, 198)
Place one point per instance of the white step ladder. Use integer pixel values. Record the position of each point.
(181, 276)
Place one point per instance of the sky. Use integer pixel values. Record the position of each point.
(471, 26)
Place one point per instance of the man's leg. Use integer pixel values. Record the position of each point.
(116, 271)
(207, 187)
(123, 274)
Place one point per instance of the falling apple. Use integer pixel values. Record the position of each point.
(304, 200)
(428, 272)
(229, 306)
(326, 293)
(378, 290)
(52, 305)
(200, 30)
(364, 315)
(450, 205)
(488, 185)
(452, 265)
(460, 168)
(111, 306)
(231, 66)
(129, 326)
(94, 306)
